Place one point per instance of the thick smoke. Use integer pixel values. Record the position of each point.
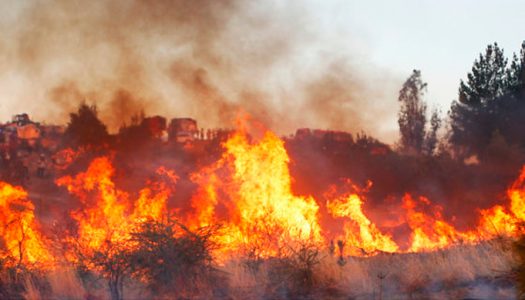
(277, 61)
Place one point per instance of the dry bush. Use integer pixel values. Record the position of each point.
(172, 260)
(459, 270)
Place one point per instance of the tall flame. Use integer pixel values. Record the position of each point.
(252, 183)
(21, 238)
(107, 214)
(249, 192)
(360, 232)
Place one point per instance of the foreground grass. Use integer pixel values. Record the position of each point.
(483, 271)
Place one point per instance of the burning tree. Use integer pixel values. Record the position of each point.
(168, 254)
(23, 250)
(22, 243)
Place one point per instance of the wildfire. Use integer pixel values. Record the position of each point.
(432, 232)
(107, 215)
(248, 192)
(21, 238)
(252, 183)
(360, 232)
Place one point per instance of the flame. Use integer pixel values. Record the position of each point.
(21, 238)
(501, 221)
(360, 232)
(252, 183)
(107, 215)
(249, 192)
(432, 232)
(516, 193)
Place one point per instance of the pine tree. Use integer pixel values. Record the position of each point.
(431, 139)
(487, 78)
(515, 80)
(472, 117)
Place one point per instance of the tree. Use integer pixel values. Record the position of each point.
(471, 115)
(85, 129)
(135, 135)
(412, 115)
(515, 80)
(431, 139)
(491, 99)
(487, 78)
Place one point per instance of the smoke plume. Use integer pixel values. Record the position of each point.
(279, 62)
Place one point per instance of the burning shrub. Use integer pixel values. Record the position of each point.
(164, 256)
(110, 261)
(171, 258)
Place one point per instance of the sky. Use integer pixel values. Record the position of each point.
(440, 38)
(331, 64)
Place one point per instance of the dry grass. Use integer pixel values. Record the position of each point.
(464, 271)
(459, 272)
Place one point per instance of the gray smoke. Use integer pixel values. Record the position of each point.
(285, 64)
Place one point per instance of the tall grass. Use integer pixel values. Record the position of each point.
(463, 271)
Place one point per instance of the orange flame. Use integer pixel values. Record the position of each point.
(107, 215)
(249, 191)
(360, 232)
(252, 183)
(21, 236)
(432, 232)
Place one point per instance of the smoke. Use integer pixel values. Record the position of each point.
(286, 64)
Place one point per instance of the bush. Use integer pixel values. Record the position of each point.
(170, 258)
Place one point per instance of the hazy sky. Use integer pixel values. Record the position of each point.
(441, 38)
(335, 64)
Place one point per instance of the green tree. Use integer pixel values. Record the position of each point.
(487, 79)
(515, 80)
(492, 99)
(431, 139)
(412, 115)
(472, 117)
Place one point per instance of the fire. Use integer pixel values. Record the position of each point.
(21, 238)
(252, 183)
(432, 232)
(248, 191)
(360, 232)
(107, 215)
(496, 222)
(517, 196)
(501, 221)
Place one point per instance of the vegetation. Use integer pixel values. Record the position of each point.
(166, 258)
(482, 144)
(85, 129)
(490, 101)
(171, 258)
